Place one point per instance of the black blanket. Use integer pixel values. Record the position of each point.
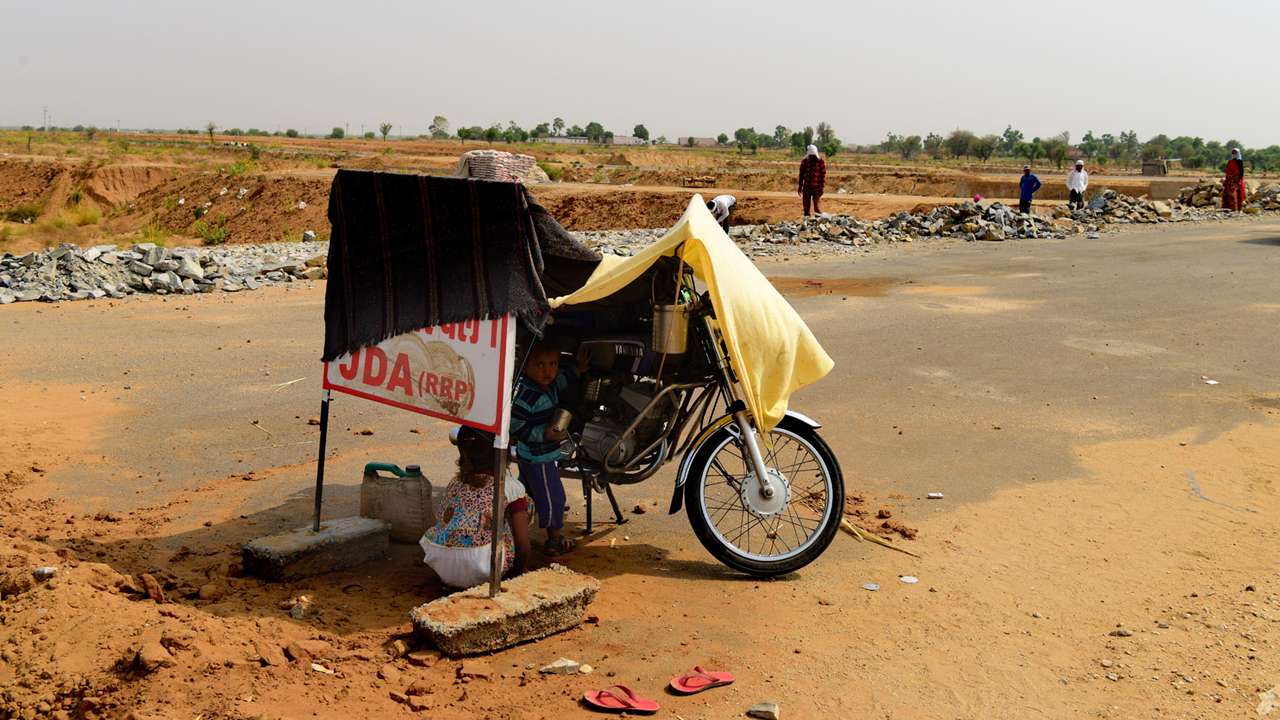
(412, 251)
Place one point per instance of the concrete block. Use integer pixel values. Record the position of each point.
(340, 544)
(532, 606)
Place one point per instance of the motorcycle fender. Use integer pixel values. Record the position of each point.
(677, 496)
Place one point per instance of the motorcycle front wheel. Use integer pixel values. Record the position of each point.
(765, 536)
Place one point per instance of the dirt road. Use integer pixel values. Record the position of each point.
(1107, 545)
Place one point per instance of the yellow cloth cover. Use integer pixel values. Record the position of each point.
(770, 348)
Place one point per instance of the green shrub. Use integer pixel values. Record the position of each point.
(83, 215)
(154, 234)
(238, 168)
(210, 234)
(555, 172)
(21, 213)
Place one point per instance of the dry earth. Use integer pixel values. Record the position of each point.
(1054, 390)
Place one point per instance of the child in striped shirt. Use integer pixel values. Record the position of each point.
(537, 444)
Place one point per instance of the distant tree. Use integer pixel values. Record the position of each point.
(909, 146)
(493, 132)
(662, 140)
(892, 143)
(933, 143)
(780, 135)
(576, 131)
(210, 128)
(690, 141)
(89, 132)
(541, 130)
(1010, 139)
(641, 132)
(1089, 145)
(439, 127)
(1030, 150)
(557, 125)
(722, 139)
(291, 133)
(807, 134)
(1056, 150)
(371, 135)
(986, 146)
(235, 132)
(464, 134)
(337, 133)
(594, 132)
(960, 143)
(743, 137)
(607, 137)
(825, 136)
(78, 128)
(385, 129)
(1156, 148)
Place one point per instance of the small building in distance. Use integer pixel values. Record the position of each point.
(697, 142)
(1161, 166)
(563, 140)
(627, 140)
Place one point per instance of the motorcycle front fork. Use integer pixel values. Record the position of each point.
(740, 417)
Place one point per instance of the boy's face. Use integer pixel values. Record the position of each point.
(543, 367)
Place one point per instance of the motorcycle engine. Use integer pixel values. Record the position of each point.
(616, 403)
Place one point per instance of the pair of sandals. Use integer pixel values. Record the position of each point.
(620, 698)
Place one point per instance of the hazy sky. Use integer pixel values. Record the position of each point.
(907, 66)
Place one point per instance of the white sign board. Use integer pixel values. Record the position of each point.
(460, 372)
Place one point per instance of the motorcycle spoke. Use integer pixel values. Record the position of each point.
(775, 536)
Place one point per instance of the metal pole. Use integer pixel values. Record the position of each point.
(324, 437)
(500, 457)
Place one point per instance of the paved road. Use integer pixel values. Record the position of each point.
(1070, 371)
(959, 367)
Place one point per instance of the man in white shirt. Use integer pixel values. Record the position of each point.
(721, 206)
(1077, 182)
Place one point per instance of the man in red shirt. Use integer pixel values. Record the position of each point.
(813, 178)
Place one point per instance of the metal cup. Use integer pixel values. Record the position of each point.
(560, 420)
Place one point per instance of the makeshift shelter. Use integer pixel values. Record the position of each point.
(772, 351)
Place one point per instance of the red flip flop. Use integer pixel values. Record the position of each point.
(626, 700)
(699, 679)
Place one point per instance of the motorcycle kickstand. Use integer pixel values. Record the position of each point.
(617, 511)
(586, 495)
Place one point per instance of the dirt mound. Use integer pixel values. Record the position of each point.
(25, 182)
(253, 209)
(607, 211)
(118, 184)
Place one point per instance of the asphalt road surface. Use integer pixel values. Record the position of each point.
(1041, 385)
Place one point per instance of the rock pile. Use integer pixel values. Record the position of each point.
(1266, 197)
(1206, 193)
(69, 272)
(966, 220)
(1111, 207)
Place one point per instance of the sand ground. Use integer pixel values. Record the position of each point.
(1054, 391)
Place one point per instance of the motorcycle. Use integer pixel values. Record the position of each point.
(764, 505)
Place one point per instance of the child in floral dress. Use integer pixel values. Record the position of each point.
(457, 546)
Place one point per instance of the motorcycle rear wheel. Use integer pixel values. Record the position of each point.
(752, 538)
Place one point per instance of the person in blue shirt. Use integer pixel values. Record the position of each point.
(537, 444)
(1027, 188)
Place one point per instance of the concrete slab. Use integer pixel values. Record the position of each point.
(532, 606)
(340, 544)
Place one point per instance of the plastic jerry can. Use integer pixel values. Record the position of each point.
(401, 497)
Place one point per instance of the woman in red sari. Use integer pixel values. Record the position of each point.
(1233, 183)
